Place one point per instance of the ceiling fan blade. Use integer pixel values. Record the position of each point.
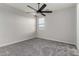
(46, 11)
(43, 14)
(31, 8)
(43, 6)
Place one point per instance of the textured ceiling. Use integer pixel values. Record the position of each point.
(50, 6)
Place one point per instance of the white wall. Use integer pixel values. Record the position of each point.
(15, 25)
(60, 26)
(78, 26)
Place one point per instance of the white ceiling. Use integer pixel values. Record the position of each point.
(50, 6)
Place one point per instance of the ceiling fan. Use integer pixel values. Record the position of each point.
(40, 9)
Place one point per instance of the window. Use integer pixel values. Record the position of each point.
(41, 23)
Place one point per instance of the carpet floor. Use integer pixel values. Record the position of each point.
(38, 47)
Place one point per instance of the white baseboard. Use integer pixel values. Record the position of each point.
(56, 40)
(6, 44)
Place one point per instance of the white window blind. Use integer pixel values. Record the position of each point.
(41, 23)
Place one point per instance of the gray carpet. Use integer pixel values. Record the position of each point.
(38, 47)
